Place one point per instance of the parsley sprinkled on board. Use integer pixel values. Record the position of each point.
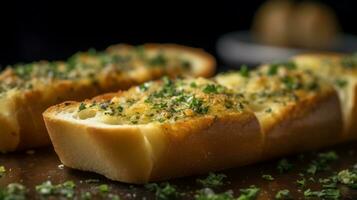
(284, 166)
(321, 163)
(13, 191)
(333, 194)
(212, 180)
(268, 177)
(283, 194)
(301, 182)
(65, 189)
(103, 188)
(348, 177)
(164, 191)
(250, 193)
(349, 61)
(2, 171)
(208, 194)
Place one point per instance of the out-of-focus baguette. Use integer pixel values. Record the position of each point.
(156, 131)
(341, 71)
(297, 110)
(27, 90)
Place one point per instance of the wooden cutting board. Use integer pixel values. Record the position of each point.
(32, 168)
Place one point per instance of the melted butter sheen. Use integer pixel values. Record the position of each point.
(166, 101)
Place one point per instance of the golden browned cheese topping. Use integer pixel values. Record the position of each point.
(273, 85)
(88, 65)
(164, 101)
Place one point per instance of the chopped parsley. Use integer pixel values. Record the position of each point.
(244, 71)
(210, 88)
(301, 183)
(333, 194)
(347, 177)
(144, 87)
(283, 194)
(13, 191)
(273, 68)
(212, 180)
(2, 171)
(208, 194)
(164, 191)
(268, 177)
(103, 188)
(82, 106)
(341, 83)
(65, 189)
(322, 162)
(349, 61)
(158, 60)
(250, 193)
(284, 166)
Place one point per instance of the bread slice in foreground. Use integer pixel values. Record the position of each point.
(158, 130)
(297, 110)
(341, 71)
(27, 90)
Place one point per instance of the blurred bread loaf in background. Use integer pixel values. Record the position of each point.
(287, 23)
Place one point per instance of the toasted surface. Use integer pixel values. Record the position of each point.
(297, 110)
(27, 90)
(341, 71)
(156, 131)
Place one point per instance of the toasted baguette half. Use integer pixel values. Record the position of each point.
(156, 131)
(341, 71)
(297, 110)
(27, 90)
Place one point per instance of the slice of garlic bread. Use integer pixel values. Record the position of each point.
(155, 131)
(341, 71)
(27, 90)
(297, 110)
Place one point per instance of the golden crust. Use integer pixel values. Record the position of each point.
(328, 66)
(29, 130)
(310, 124)
(142, 153)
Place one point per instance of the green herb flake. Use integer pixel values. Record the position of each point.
(212, 180)
(13, 191)
(341, 83)
(333, 194)
(82, 106)
(301, 183)
(268, 177)
(2, 171)
(164, 191)
(244, 71)
(250, 193)
(283, 194)
(210, 88)
(284, 166)
(209, 194)
(144, 87)
(347, 177)
(103, 188)
(321, 163)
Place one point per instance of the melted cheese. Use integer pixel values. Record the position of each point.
(163, 101)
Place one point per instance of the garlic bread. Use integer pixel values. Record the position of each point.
(27, 90)
(156, 131)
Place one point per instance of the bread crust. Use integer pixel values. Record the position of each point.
(142, 153)
(25, 129)
(309, 124)
(347, 94)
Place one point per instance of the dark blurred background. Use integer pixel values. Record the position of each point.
(48, 30)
